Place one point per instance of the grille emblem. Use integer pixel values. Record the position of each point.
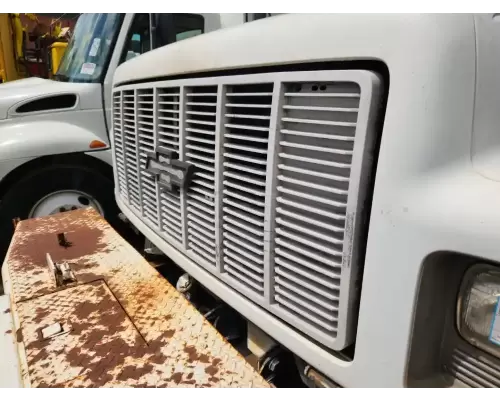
(171, 173)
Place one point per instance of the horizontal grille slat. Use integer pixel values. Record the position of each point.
(305, 303)
(244, 262)
(323, 188)
(299, 287)
(203, 113)
(172, 215)
(325, 109)
(321, 290)
(247, 127)
(243, 188)
(235, 272)
(303, 266)
(473, 371)
(314, 210)
(198, 200)
(313, 173)
(203, 166)
(255, 279)
(354, 95)
(200, 140)
(312, 135)
(244, 235)
(245, 245)
(198, 157)
(244, 207)
(199, 148)
(316, 148)
(309, 220)
(200, 122)
(315, 161)
(243, 225)
(290, 304)
(168, 126)
(244, 197)
(200, 223)
(301, 228)
(244, 216)
(245, 178)
(249, 159)
(248, 105)
(202, 253)
(199, 212)
(204, 231)
(250, 94)
(245, 168)
(303, 261)
(199, 243)
(202, 131)
(249, 149)
(307, 196)
(248, 116)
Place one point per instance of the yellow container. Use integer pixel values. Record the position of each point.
(57, 50)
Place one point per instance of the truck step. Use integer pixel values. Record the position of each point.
(92, 312)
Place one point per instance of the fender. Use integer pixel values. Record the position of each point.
(27, 139)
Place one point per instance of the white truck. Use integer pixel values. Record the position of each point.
(54, 143)
(334, 179)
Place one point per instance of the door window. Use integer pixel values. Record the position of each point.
(139, 37)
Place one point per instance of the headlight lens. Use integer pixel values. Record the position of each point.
(478, 308)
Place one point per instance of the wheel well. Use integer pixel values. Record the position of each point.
(59, 159)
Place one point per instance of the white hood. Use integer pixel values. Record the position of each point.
(21, 82)
(22, 90)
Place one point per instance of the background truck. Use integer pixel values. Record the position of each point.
(335, 180)
(54, 142)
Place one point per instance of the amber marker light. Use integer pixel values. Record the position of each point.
(97, 144)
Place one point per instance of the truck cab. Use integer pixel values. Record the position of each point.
(334, 179)
(55, 148)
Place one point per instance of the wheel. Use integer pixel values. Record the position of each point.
(53, 189)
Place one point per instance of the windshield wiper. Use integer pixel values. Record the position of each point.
(60, 77)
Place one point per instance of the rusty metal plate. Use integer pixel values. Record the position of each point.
(123, 323)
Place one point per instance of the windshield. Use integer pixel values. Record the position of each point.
(89, 50)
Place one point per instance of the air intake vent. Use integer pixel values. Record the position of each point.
(146, 141)
(477, 372)
(118, 145)
(273, 206)
(50, 103)
(246, 138)
(201, 104)
(130, 138)
(318, 123)
(168, 126)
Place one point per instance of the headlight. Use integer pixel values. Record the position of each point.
(478, 310)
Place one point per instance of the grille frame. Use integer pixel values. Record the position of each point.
(360, 175)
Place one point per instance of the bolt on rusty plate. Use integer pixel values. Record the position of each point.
(124, 324)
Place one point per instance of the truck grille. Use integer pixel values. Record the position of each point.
(473, 370)
(281, 164)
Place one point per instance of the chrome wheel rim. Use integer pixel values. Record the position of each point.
(62, 201)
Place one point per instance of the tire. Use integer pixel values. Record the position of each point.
(23, 195)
